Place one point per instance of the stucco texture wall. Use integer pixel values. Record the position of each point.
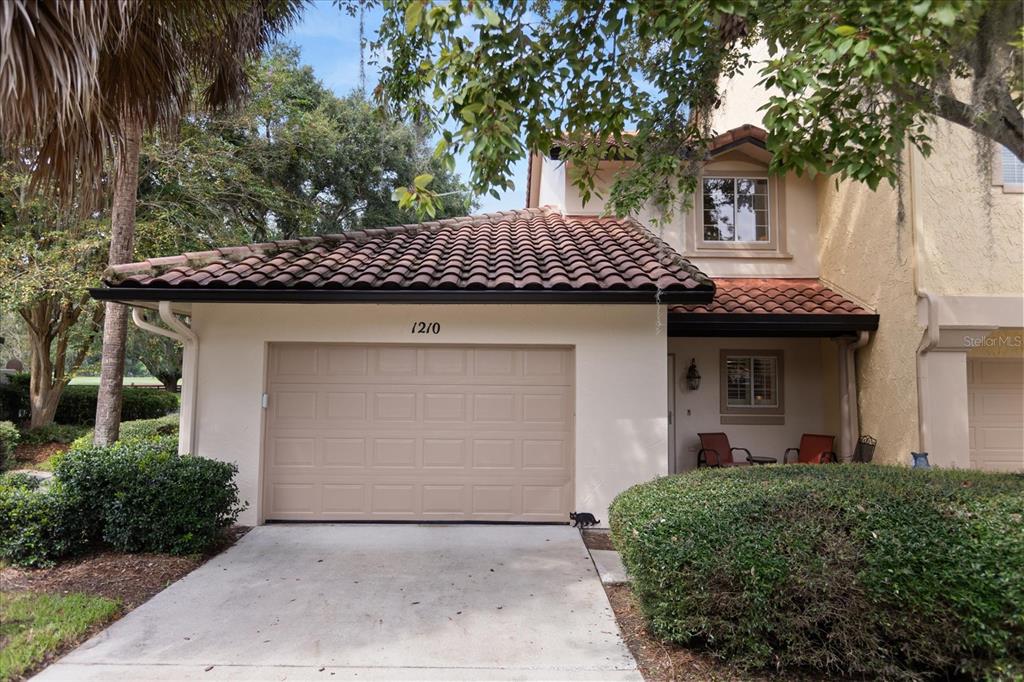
(620, 352)
(865, 251)
(972, 241)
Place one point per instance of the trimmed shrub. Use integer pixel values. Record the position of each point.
(140, 429)
(52, 433)
(860, 570)
(9, 438)
(78, 404)
(141, 496)
(136, 496)
(14, 398)
(37, 525)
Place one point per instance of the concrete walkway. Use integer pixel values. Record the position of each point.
(372, 602)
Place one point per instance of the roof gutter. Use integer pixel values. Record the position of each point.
(184, 335)
(130, 295)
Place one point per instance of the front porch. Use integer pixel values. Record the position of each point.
(775, 359)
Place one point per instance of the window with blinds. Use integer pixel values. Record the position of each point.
(752, 381)
(1012, 167)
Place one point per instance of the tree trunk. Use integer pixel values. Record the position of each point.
(169, 381)
(43, 396)
(115, 324)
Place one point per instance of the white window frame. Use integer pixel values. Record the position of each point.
(735, 209)
(775, 247)
(752, 414)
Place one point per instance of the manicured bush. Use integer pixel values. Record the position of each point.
(78, 404)
(53, 433)
(9, 438)
(140, 429)
(863, 570)
(14, 398)
(37, 525)
(141, 496)
(135, 496)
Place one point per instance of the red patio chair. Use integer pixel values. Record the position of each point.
(716, 452)
(815, 448)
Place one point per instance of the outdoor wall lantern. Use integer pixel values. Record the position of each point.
(692, 376)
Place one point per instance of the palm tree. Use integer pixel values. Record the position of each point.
(81, 82)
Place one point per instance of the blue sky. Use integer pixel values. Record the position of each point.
(329, 40)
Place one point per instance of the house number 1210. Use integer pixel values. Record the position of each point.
(426, 328)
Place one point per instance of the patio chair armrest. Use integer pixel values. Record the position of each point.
(702, 457)
(748, 455)
(785, 456)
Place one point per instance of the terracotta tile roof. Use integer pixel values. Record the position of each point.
(738, 135)
(747, 303)
(779, 296)
(528, 250)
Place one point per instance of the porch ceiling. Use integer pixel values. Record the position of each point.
(771, 307)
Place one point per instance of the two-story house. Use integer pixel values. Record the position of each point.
(520, 365)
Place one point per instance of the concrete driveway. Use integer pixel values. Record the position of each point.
(372, 602)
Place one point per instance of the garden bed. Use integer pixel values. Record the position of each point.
(127, 580)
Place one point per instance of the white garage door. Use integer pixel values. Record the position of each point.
(995, 391)
(382, 432)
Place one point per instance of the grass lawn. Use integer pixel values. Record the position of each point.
(35, 625)
(128, 381)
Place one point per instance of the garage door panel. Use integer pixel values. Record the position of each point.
(433, 432)
(995, 392)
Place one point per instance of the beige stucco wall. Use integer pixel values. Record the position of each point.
(811, 398)
(969, 255)
(620, 351)
(865, 252)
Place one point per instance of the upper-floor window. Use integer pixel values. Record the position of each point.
(736, 209)
(1010, 169)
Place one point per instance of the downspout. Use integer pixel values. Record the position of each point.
(853, 428)
(183, 334)
(844, 399)
(930, 338)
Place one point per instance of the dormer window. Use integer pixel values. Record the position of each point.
(736, 210)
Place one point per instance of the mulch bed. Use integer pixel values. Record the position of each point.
(28, 454)
(663, 662)
(129, 578)
(598, 539)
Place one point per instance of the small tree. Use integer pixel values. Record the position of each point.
(160, 355)
(48, 259)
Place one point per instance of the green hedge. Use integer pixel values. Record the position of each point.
(140, 429)
(860, 570)
(9, 438)
(138, 496)
(78, 403)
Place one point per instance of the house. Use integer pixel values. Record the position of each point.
(520, 365)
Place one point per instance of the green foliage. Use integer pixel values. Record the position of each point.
(137, 496)
(14, 398)
(854, 80)
(159, 355)
(143, 497)
(53, 433)
(78, 404)
(36, 626)
(294, 160)
(37, 524)
(140, 429)
(859, 570)
(9, 438)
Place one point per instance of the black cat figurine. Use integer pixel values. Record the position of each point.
(583, 519)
